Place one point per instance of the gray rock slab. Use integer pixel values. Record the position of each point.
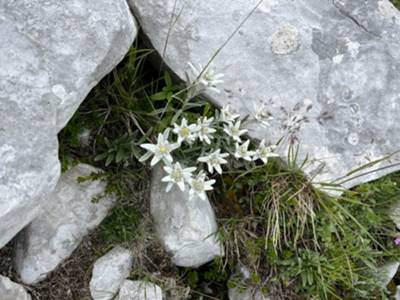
(69, 215)
(327, 71)
(10, 290)
(386, 273)
(186, 227)
(51, 55)
(395, 214)
(139, 290)
(109, 272)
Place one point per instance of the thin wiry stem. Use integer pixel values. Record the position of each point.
(241, 24)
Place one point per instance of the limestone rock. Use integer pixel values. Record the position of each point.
(51, 55)
(186, 228)
(327, 71)
(139, 290)
(387, 272)
(69, 215)
(12, 291)
(109, 272)
(395, 215)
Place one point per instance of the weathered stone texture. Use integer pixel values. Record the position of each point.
(51, 54)
(327, 71)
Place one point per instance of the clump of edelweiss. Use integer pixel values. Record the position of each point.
(213, 141)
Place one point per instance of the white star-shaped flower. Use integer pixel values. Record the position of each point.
(177, 175)
(242, 151)
(161, 151)
(234, 131)
(214, 161)
(226, 115)
(265, 152)
(207, 79)
(205, 130)
(200, 185)
(185, 132)
(261, 114)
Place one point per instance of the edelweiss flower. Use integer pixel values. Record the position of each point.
(177, 175)
(185, 132)
(161, 151)
(234, 131)
(264, 152)
(262, 115)
(227, 116)
(243, 152)
(84, 137)
(199, 185)
(205, 132)
(214, 161)
(207, 78)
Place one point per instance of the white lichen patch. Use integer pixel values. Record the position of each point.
(387, 10)
(338, 59)
(267, 5)
(60, 92)
(352, 47)
(286, 40)
(353, 138)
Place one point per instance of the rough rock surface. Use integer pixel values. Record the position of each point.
(139, 290)
(69, 215)
(387, 272)
(109, 272)
(12, 291)
(327, 71)
(395, 215)
(51, 54)
(185, 227)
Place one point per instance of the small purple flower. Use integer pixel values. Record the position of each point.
(397, 241)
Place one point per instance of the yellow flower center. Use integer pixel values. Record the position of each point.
(163, 149)
(185, 132)
(176, 175)
(208, 76)
(198, 185)
(214, 161)
(235, 131)
(264, 152)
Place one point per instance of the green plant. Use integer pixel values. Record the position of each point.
(293, 237)
(297, 242)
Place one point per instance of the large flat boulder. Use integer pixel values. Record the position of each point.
(327, 71)
(186, 226)
(51, 54)
(73, 210)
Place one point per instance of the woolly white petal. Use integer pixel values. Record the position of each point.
(155, 160)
